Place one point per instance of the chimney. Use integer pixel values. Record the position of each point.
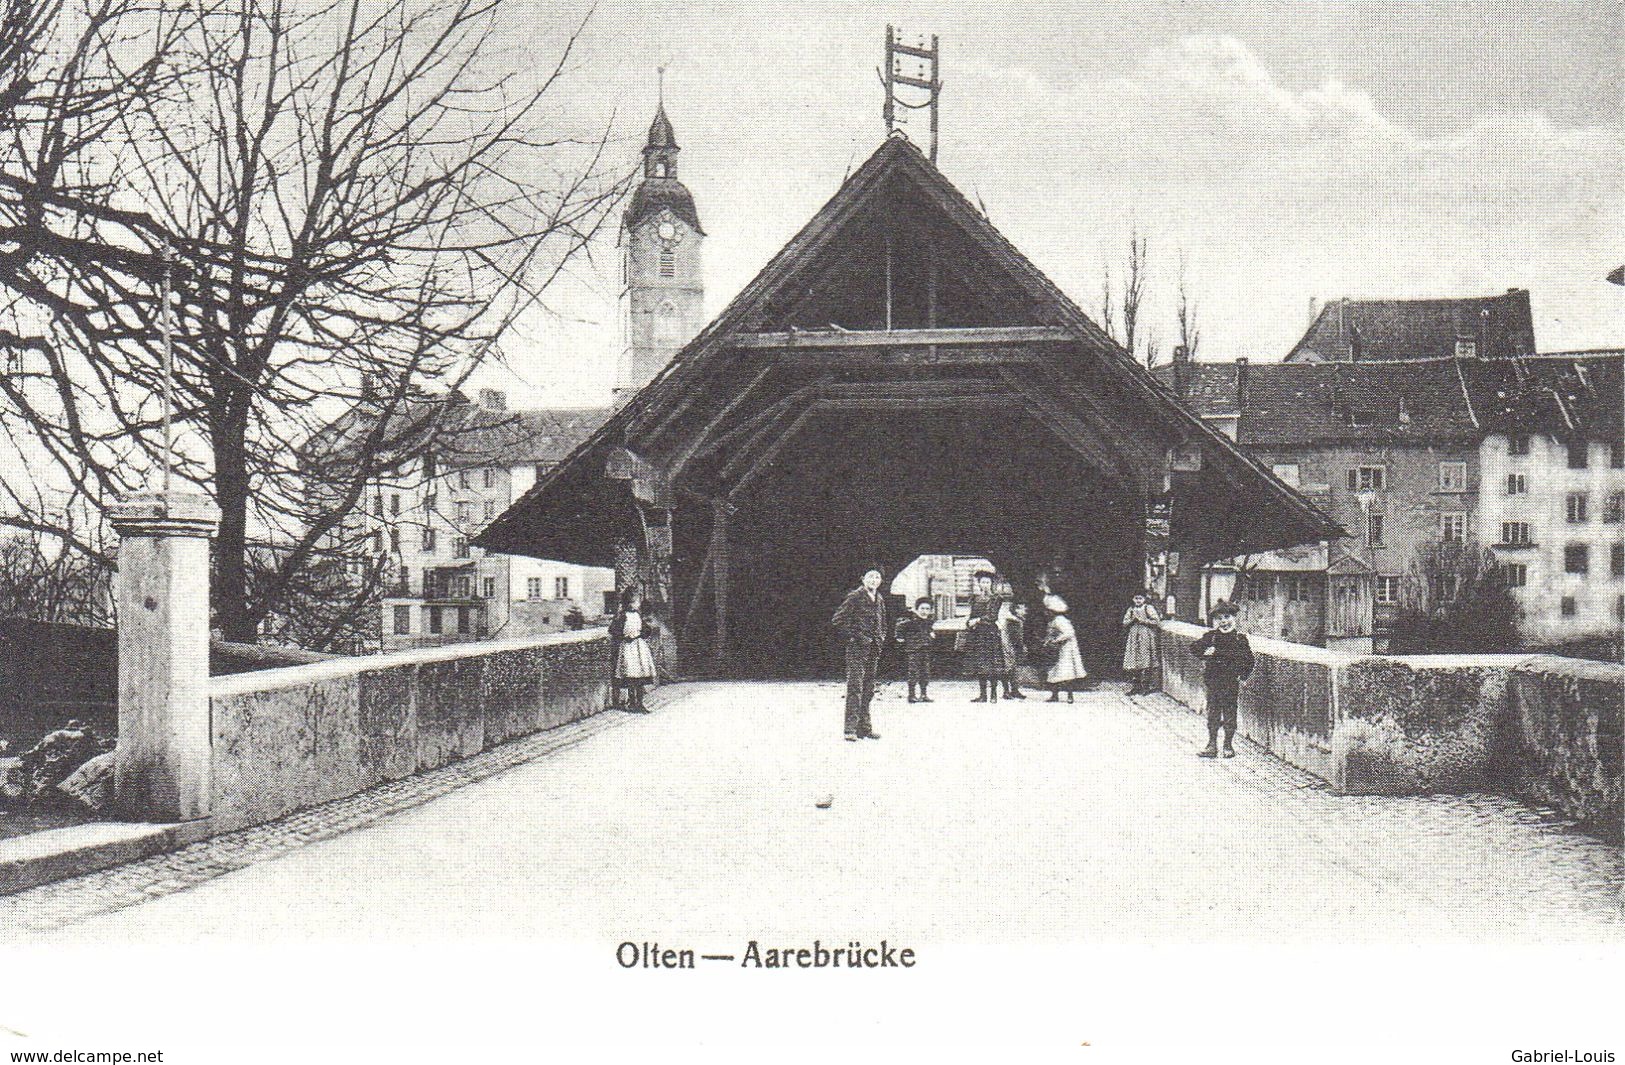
(1182, 371)
(1314, 309)
(1343, 338)
(493, 399)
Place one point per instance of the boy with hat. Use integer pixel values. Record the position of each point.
(1228, 660)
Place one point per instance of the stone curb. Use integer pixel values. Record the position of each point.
(61, 853)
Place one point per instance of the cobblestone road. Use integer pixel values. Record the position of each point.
(972, 823)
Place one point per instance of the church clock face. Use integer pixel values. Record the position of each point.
(668, 231)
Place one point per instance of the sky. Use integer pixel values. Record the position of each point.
(1287, 151)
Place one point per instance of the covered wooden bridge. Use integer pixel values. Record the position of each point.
(899, 380)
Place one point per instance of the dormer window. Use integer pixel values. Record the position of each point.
(1466, 348)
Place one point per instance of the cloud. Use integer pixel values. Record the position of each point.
(1281, 192)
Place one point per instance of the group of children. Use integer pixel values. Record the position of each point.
(996, 644)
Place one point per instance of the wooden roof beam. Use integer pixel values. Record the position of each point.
(1072, 430)
(828, 339)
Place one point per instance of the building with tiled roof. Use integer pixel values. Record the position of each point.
(1520, 455)
(1487, 327)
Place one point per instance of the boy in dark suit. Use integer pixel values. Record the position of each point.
(916, 634)
(1228, 660)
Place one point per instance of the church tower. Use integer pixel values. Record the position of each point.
(662, 291)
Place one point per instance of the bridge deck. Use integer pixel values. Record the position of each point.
(1013, 822)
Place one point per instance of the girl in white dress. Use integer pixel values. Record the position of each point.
(1062, 640)
(634, 661)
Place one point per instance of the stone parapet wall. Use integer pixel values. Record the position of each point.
(1566, 718)
(284, 739)
(1542, 727)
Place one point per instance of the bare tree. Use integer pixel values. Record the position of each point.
(1134, 281)
(1108, 303)
(328, 192)
(43, 580)
(1185, 313)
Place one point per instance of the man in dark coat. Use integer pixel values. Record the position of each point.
(1227, 661)
(861, 619)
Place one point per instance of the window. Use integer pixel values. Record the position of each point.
(437, 623)
(561, 587)
(1517, 485)
(668, 263)
(1515, 533)
(1614, 510)
(378, 505)
(1368, 478)
(1453, 528)
(1616, 455)
(543, 469)
(1452, 477)
(459, 547)
(1577, 559)
(1616, 560)
(428, 584)
(378, 542)
(488, 477)
(394, 502)
(1518, 444)
(465, 511)
(609, 603)
(428, 541)
(404, 580)
(1466, 348)
(395, 540)
(1568, 606)
(489, 588)
(1574, 508)
(429, 468)
(463, 587)
(1299, 588)
(1374, 529)
(1287, 472)
(403, 621)
(429, 501)
(464, 623)
(462, 479)
(1258, 587)
(533, 588)
(1579, 455)
(1515, 574)
(1387, 591)
(490, 509)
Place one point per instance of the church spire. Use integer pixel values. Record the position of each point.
(660, 153)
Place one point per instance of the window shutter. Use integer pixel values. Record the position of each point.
(1354, 480)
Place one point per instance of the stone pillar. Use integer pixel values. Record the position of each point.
(162, 592)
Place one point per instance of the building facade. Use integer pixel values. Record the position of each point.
(1519, 456)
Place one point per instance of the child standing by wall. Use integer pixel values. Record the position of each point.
(1140, 648)
(1228, 661)
(634, 661)
(917, 633)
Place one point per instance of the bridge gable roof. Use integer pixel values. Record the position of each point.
(966, 315)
